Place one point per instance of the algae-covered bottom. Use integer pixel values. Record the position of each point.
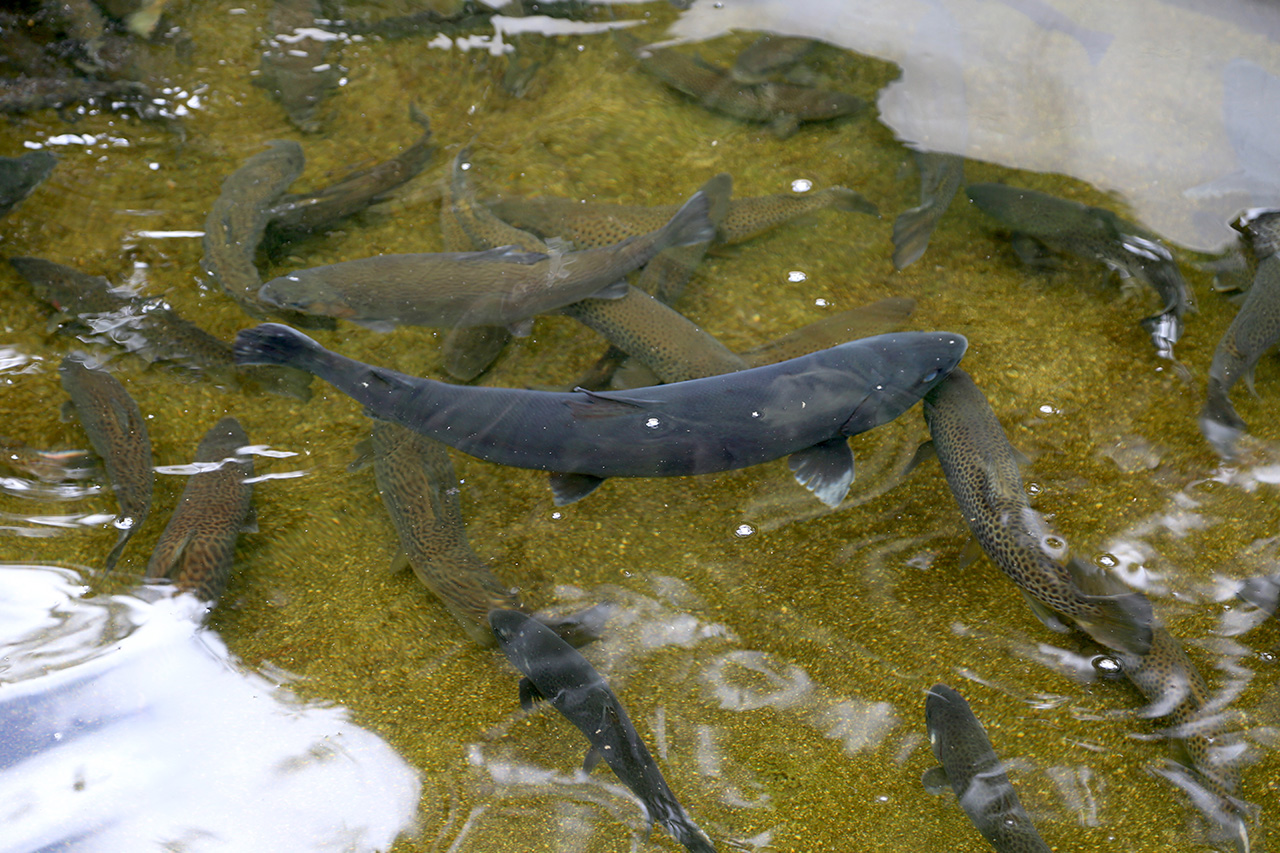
(773, 655)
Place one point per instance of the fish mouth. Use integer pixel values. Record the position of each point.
(891, 397)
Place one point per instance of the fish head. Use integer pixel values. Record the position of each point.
(305, 293)
(907, 365)
(507, 625)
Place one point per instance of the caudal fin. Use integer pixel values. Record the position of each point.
(1121, 622)
(1219, 421)
(272, 343)
(691, 223)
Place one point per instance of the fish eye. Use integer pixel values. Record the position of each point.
(932, 374)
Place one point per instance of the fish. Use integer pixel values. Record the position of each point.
(419, 488)
(770, 54)
(1255, 329)
(197, 548)
(781, 105)
(497, 287)
(295, 68)
(89, 307)
(981, 468)
(843, 326)
(976, 775)
(804, 408)
(294, 216)
(19, 176)
(26, 94)
(118, 433)
(940, 177)
(553, 671)
(48, 466)
(1038, 219)
(238, 220)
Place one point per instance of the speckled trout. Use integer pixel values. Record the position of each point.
(555, 672)
(804, 408)
(118, 433)
(981, 468)
(1255, 329)
(974, 772)
(499, 287)
(198, 545)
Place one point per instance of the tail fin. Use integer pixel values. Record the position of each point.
(843, 198)
(1219, 421)
(691, 223)
(911, 233)
(1125, 619)
(272, 343)
(116, 551)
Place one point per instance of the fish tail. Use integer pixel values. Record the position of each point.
(114, 556)
(691, 223)
(272, 343)
(1120, 622)
(843, 198)
(911, 233)
(1219, 421)
(684, 830)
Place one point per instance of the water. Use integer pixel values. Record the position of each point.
(774, 655)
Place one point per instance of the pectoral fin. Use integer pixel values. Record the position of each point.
(935, 780)
(567, 488)
(614, 290)
(590, 760)
(1045, 615)
(529, 694)
(924, 452)
(825, 469)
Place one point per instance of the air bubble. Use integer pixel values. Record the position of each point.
(742, 531)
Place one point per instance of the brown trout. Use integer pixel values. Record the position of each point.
(940, 177)
(1255, 329)
(118, 433)
(497, 287)
(88, 307)
(420, 490)
(295, 68)
(198, 545)
(981, 468)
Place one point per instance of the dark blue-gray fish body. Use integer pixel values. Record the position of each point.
(1096, 234)
(982, 470)
(804, 408)
(553, 670)
(976, 774)
(1255, 329)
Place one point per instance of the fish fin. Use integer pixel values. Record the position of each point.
(521, 328)
(924, 452)
(165, 569)
(718, 191)
(469, 351)
(784, 125)
(1044, 614)
(529, 694)
(250, 523)
(400, 561)
(971, 551)
(1032, 252)
(511, 254)
(591, 760)
(912, 231)
(616, 290)
(1125, 623)
(364, 455)
(67, 412)
(379, 326)
(568, 488)
(114, 556)
(825, 469)
(853, 201)
(691, 223)
(935, 780)
(602, 404)
(1219, 422)
(1247, 376)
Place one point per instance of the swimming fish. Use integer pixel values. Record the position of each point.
(976, 775)
(940, 177)
(48, 466)
(1038, 219)
(419, 489)
(295, 68)
(981, 468)
(89, 307)
(118, 433)
(19, 176)
(555, 672)
(804, 408)
(198, 545)
(769, 54)
(1255, 329)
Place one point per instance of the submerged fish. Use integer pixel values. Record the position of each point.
(49, 466)
(555, 672)
(118, 433)
(1039, 219)
(1255, 329)
(295, 68)
(974, 772)
(19, 176)
(419, 488)
(940, 177)
(805, 408)
(770, 54)
(981, 468)
(498, 287)
(198, 545)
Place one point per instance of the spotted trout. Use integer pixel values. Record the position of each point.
(198, 545)
(420, 491)
(804, 408)
(1255, 329)
(1038, 219)
(981, 468)
(499, 287)
(118, 433)
(555, 672)
(976, 775)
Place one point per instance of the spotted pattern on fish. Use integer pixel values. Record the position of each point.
(982, 470)
(197, 548)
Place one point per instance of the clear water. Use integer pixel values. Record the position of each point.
(773, 655)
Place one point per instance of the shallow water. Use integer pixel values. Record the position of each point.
(773, 654)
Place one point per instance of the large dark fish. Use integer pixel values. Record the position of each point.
(498, 287)
(19, 176)
(982, 470)
(419, 488)
(554, 671)
(1095, 234)
(295, 67)
(940, 177)
(805, 408)
(118, 433)
(974, 772)
(87, 305)
(198, 545)
(1255, 329)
